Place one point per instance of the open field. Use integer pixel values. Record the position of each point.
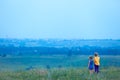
(57, 68)
(110, 73)
(35, 62)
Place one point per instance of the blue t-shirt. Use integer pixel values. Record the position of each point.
(91, 63)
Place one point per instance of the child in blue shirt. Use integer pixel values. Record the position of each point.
(91, 65)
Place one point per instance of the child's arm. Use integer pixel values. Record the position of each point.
(94, 60)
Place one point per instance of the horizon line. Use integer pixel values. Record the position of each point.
(62, 38)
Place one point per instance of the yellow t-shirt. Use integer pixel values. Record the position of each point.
(97, 60)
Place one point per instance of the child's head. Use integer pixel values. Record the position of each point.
(90, 57)
(96, 54)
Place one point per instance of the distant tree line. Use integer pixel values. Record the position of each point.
(85, 50)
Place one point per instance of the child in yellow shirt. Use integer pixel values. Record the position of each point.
(96, 62)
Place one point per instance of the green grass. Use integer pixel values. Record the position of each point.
(21, 63)
(74, 68)
(111, 73)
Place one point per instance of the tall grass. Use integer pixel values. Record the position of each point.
(111, 73)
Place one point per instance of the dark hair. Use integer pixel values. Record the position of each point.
(96, 54)
(90, 57)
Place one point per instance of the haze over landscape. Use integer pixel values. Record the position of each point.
(63, 19)
(57, 39)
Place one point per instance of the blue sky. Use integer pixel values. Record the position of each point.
(66, 19)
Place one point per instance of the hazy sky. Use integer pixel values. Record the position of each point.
(79, 19)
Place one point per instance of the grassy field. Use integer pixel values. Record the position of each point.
(21, 63)
(110, 73)
(57, 68)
